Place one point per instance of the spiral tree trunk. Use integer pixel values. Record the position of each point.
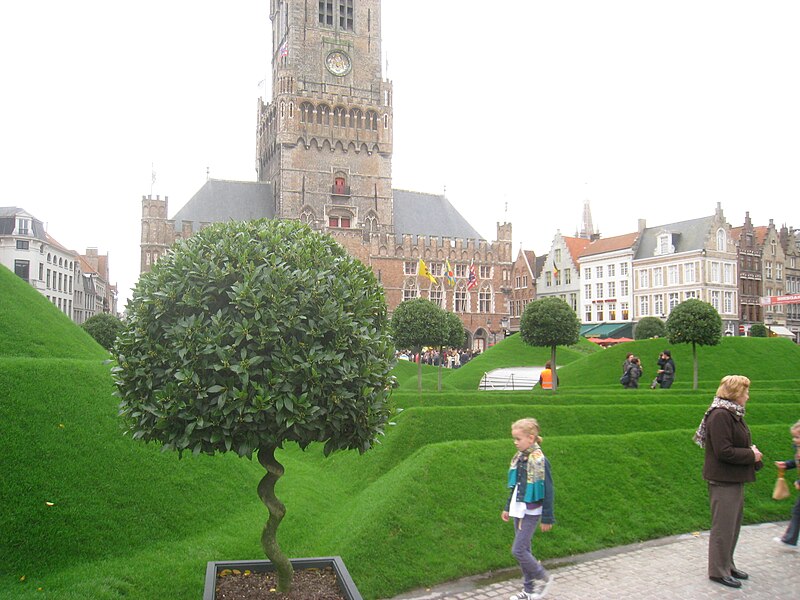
(269, 542)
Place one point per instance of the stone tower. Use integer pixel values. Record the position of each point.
(324, 140)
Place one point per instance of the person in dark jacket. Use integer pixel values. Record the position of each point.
(667, 371)
(634, 372)
(731, 460)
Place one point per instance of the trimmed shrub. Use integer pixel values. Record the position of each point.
(104, 328)
(649, 327)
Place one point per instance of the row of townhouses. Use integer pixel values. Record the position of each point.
(78, 284)
(750, 274)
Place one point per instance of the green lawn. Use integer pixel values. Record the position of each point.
(86, 512)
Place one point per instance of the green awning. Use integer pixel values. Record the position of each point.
(608, 330)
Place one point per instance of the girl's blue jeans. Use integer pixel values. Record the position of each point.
(532, 569)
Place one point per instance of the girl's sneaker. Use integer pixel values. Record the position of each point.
(540, 587)
(523, 596)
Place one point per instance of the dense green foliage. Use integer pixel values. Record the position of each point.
(32, 326)
(549, 322)
(758, 330)
(249, 335)
(418, 323)
(649, 327)
(135, 523)
(456, 336)
(104, 328)
(697, 323)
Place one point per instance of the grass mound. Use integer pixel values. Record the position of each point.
(32, 326)
(89, 513)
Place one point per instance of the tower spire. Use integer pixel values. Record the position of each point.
(587, 228)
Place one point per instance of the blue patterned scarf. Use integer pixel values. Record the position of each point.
(534, 488)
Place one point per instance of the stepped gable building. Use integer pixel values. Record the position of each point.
(690, 259)
(560, 274)
(323, 156)
(749, 241)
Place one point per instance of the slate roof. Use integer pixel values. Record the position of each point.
(415, 213)
(221, 200)
(686, 236)
(8, 222)
(540, 261)
(429, 215)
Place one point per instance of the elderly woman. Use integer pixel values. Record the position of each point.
(731, 460)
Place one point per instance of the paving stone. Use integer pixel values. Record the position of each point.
(666, 569)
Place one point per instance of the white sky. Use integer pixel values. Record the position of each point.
(654, 110)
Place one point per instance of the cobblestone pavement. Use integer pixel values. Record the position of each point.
(668, 568)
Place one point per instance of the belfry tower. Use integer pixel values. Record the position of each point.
(324, 140)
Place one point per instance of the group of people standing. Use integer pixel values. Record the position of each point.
(731, 460)
(632, 371)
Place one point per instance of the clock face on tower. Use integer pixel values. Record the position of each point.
(338, 63)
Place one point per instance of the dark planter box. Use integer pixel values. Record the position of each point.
(346, 584)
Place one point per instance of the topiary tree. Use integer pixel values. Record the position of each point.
(694, 322)
(549, 322)
(250, 335)
(758, 330)
(417, 323)
(649, 327)
(104, 328)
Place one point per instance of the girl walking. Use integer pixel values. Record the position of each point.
(530, 501)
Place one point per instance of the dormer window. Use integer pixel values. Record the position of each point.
(23, 226)
(664, 245)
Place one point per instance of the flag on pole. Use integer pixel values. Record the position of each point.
(450, 276)
(555, 270)
(472, 280)
(423, 270)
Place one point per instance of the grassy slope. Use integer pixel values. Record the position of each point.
(510, 352)
(32, 326)
(757, 358)
(129, 521)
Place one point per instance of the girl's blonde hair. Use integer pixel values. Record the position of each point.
(733, 387)
(795, 427)
(529, 426)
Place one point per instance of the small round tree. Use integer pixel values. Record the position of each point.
(649, 327)
(250, 335)
(694, 322)
(455, 336)
(550, 322)
(417, 323)
(104, 328)
(758, 330)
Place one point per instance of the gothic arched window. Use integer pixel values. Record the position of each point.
(323, 114)
(306, 112)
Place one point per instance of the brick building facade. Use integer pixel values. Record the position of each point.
(323, 156)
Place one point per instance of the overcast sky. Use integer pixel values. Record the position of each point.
(654, 110)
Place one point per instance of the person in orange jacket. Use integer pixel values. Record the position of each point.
(546, 377)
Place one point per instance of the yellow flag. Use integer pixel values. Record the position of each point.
(423, 270)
